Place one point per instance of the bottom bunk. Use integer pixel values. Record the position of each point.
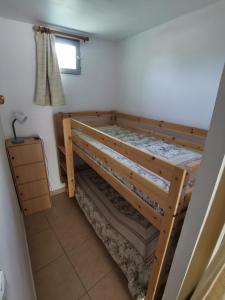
(128, 236)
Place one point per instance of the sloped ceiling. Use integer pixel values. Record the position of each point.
(111, 19)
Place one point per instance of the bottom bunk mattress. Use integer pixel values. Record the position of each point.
(129, 237)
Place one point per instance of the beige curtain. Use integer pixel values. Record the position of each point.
(212, 283)
(49, 89)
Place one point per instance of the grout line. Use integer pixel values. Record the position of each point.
(50, 228)
(101, 278)
(36, 233)
(47, 264)
(31, 237)
(65, 253)
(67, 256)
(29, 240)
(81, 245)
(86, 294)
(86, 290)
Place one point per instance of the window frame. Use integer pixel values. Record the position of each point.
(75, 43)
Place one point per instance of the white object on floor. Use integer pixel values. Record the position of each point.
(2, 285)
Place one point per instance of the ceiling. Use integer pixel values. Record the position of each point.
(111, 19)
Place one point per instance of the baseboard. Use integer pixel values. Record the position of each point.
(58, 191)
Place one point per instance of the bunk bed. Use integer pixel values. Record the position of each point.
(151, 164)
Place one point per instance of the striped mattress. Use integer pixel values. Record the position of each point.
(170, 152)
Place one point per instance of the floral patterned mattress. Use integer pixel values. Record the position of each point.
(170, 152)
(128, 236)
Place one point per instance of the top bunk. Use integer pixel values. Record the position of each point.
(182, 135)
(175, 144)
(146, 142)
(143, 153)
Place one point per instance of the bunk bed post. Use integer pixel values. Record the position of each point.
(69, 156)
(59, 129)
(58, 123)
(166, 231)
(113, 117)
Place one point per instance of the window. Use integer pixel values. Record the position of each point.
(68, 53)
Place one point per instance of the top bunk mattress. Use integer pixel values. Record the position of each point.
(175, 154)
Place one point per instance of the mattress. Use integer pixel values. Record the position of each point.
(129, 237)
(169, 152)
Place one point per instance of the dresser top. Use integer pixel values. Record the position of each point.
(27, 141)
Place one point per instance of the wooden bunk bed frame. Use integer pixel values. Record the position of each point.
(174, 202)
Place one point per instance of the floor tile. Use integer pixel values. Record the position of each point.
(85, 297)
(63, 201)
(35, 224)
(73, 231)
(44, 248)
(91, 261)
(62, 208)
(112, 287)
(58, 281)
(88, 264)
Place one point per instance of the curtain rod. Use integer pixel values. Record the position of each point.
(38, 28)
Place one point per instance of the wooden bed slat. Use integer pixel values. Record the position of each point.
(144, 208)
(151, 162)
(194, 131)
(148, 187)
(90, 113)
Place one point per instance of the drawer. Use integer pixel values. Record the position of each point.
(33, 189)
(25, 154)
(36, 204)
(28, 173)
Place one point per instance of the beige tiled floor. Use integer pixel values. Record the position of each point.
(69, 262)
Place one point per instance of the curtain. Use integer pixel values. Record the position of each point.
(212, 283)
(49, 89)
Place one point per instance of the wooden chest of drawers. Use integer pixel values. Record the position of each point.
(29, 174)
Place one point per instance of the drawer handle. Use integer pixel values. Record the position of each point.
(21, 194)
(12, 157)
(17, 176)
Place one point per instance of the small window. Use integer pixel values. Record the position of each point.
(68, 53)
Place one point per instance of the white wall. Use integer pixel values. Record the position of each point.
(172, 72)
(14, 259)
(94, 89)
(201, 199)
